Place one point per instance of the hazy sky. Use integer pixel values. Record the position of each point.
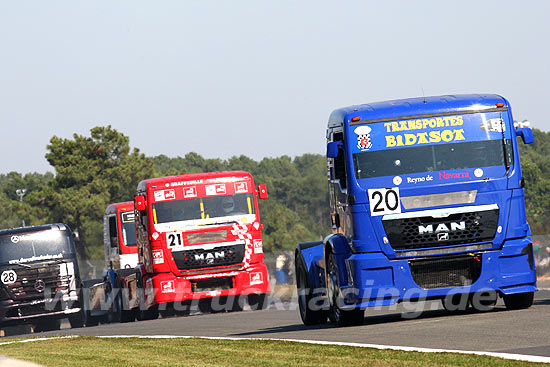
(259, 78)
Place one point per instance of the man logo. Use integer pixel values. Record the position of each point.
(209, 257)
(442, 227)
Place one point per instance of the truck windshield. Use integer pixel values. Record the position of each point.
(128, 228)
(23, 248)
(212, 207)
(432, 144)
(431, 158)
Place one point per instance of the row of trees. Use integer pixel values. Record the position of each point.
(93, 171)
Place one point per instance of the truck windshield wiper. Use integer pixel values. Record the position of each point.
(218, 223)
(23, 265)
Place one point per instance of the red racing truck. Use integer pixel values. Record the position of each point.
(120, 236)
(199, 238)
(115, 296)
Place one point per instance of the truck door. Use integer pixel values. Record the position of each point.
(112, 246)
(338, 194)
(142, 238)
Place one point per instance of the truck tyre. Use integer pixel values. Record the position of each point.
(77, 320)
(458, 302)
(204, 305)
(143, 313)
(310, 315)
(115, 312)
(166, 310)
(258, 301)
(149, 314)
(126, 315)
(336, 314)
(235, 303)
(47, 325)
(484, 301)
(519, 301)
(90, 320)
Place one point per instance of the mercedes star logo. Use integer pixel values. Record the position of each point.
(40, 285)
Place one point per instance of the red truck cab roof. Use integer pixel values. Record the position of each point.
(191, 179)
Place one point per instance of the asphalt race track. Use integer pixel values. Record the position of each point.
(499, 330)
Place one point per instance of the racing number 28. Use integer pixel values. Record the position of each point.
(9, 277)
(384, 201)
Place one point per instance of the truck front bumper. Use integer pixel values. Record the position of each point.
(375, 280)
(165, 287)
(14, 312)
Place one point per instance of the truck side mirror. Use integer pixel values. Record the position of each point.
(332, 149)
(526, 135)
(262, 191)
(140, 203)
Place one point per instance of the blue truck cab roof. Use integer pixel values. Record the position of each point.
(416, 106)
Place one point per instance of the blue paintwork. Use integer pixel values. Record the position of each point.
(376, 272)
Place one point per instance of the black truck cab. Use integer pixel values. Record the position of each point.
(39, 277)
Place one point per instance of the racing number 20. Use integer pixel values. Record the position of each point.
(384, 201)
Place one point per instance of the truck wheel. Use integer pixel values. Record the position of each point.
(519, 301)
(90, 321)
(204, 305)
(235, 303)
(258, 301)
(337, 315)
(484, 301)
(77, 320)
(143, 313)
(47, 325)
(116, 310)
(310, 313)
(458, 302)
(149, 314)
(167, 310)
(127, 315)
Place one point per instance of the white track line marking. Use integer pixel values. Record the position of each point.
(518, 357)
(38, 339)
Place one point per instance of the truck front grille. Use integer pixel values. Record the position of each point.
(216, 257)
(38, 282)
(444, 272)
(456, 229)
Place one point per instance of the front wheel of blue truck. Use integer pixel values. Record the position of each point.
(519, 301)
(311, 313)
(337, 315)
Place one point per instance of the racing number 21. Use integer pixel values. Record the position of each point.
(174, 240)
(384, 201)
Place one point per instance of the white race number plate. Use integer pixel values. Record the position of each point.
(8, 277)
(174, 240)
(384, 201)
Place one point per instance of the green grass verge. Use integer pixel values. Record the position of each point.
(135, 352)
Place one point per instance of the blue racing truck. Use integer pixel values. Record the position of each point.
(427, 202)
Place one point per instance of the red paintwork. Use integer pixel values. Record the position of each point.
(117, 208)
(172, 285)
